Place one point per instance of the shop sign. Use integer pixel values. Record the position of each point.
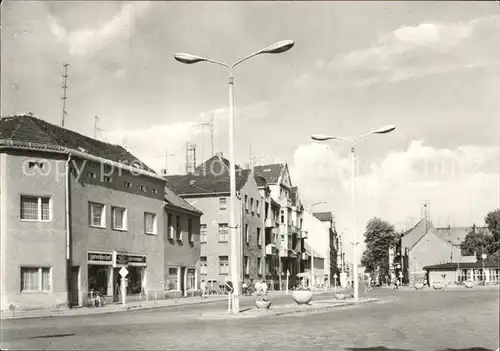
(100, 257)
(121, 259)
(137, 259)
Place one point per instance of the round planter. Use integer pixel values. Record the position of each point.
(302, 297)
(340, 296)
(263, 304)
(419, 286)
(437, 286)
(468, 285)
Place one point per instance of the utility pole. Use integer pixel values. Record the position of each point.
(16, 87)
(166, 160)
(64, 97)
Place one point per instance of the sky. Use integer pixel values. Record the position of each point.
(430, 68)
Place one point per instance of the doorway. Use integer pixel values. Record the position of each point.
(182, 286)
(75, 286)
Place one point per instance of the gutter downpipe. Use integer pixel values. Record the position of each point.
(68, 231)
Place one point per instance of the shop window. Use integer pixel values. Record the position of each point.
(203, 265)
(135, 280)
(173, 278)
(223, 265)
(35, 279)
(223, 232)
(119, 218)
(191, 279)
(97, 217)
(203, 233)
(35, 208)
(150, 226)
(98, 277)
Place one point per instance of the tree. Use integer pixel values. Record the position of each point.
(476, 242)
(380, 236)
(492, 220)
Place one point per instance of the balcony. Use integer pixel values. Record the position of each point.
(283, 229)
(271, 249)
(269, 223)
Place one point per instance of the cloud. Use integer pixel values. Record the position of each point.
(462, 184)
(414, 52)
(86, 41)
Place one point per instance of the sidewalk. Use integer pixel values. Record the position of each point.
(113, 308)
(287, 309)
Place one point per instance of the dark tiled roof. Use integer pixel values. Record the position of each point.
(492, 262)
(215, 165)
(271, 173)
(323, 216)
(172, 199)
(456, 235)
(209, 184)
(260, 180)
(413, 235)
(30, 129)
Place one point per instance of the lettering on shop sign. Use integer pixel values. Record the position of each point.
(102, 257)
(137, 259)
(121, 259)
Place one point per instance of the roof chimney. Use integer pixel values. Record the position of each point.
(219, 154)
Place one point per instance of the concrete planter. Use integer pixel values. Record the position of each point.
(419, 286)
(437, 286)
(340, 296)
(469, 285)
(302, 297)
(263, 304)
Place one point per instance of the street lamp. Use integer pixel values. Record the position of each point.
(322, 137)
(312, 250)
(483, 257)
(277, 48)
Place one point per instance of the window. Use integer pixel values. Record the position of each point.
(203, 265)
(190, 230)
(91, 175)
(97, 216)
(108, 179)
(35, 208)
(191, 279)
(173, 278)
(150, 223)
(223, 232)
(223, 265)
(128, 184)
(143, 188)
(251, 205)
(119, 218)
(35, 279)
(36, 165)
(246, 202)
(258, 237)
(178, 229)
(170, 227)
(203, 233)
(246, 265)
(257, 208)
(259, 260)
(247, 236)
(155, 191)
(222, 203)
(282, 218)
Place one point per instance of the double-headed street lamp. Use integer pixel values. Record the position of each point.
(277, 48)
(352, 140)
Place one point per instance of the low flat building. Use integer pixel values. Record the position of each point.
(477, 272)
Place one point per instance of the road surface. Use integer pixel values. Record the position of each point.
(402, 320)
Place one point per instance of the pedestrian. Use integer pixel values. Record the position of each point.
(397, 284)
(264, 287)
(203, 287)
(258, 287)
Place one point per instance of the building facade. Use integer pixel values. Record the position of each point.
(208, 189)
(74, 211)
(332, 247)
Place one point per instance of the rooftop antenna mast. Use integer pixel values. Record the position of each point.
(64, 97)
(16, 87)
(166, 160)
(96, 129)
(210, 124)
(190, 158)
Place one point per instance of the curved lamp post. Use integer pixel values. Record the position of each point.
(277, 48)
(352, 140)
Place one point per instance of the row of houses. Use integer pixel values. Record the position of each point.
(433, 254)
(75, 210)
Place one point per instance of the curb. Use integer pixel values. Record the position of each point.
(121, 310)
(294, 312)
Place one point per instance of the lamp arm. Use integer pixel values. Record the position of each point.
(244, 59)
(218, 63)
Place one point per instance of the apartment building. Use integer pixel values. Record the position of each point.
(277, 177)
(73, 212)
(332, 247)
(208, 189)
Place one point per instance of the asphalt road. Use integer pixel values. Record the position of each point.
(402, 320)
